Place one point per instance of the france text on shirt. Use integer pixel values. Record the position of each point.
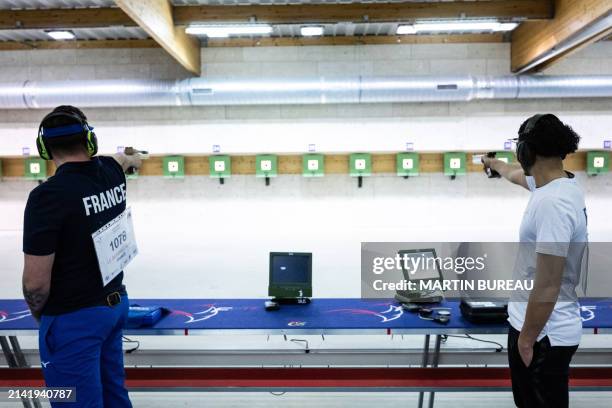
(105, 200)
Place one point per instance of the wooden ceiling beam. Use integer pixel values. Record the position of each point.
(155, 17)
(64, 18)
(598, 37)
(261, 42)
(538, 44)
(356, 12)
(285, 14)
(80, 44)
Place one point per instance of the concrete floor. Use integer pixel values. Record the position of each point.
(337, 400)
(354, 400)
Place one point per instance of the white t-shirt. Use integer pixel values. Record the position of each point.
(554, 223)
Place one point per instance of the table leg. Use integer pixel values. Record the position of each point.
(12, 362)
(436, 359)
(22, 362)
(8, 353)
(19, 356)
(424, 363)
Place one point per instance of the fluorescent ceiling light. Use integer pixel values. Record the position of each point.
(61, 35)
(456, 26)
(311, 31)
(405, 29)
(221, 31)
(506, 26)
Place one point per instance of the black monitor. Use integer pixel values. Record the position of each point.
(429, 268)
(428, 272)
(290, 275)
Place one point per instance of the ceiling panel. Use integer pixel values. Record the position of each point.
(51, 4)
(285, 30)
(106, 33)
(282, 30)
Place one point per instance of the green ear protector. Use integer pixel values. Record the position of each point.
(82, 127)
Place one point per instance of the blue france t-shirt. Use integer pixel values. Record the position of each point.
(60, 216)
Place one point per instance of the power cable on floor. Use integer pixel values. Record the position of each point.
(130, 341)
(499, 348)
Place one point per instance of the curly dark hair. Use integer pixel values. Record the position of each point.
(69, 143)
(550, 137)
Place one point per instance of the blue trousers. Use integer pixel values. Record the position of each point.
(83, 349)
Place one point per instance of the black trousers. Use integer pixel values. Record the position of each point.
(544, 384)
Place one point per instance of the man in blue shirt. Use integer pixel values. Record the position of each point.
(81, 319)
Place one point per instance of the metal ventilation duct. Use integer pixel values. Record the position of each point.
(314, 90)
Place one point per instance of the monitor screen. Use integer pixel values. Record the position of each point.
(420, 264)
(290, 268)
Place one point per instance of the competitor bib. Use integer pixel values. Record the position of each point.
(115, 245)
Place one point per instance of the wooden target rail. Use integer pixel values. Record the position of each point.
(382, 163)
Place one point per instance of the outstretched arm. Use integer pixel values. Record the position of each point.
(130, 158)
(511, 172)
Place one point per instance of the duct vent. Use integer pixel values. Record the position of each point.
(448, 87)
(203, 91)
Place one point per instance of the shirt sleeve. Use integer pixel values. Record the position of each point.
(110, 161)
(555, 224)
(42, 223)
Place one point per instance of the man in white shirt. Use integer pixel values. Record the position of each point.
(545, 324)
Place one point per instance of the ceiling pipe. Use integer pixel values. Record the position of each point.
(296, 91)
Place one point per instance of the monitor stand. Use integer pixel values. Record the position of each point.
(292, 301)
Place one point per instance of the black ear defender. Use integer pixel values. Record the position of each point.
(91, 141)
(411, 307)
(440, 316)
(524, 152)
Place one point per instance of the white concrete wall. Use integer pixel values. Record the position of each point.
(199, 239)
(332, 128)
